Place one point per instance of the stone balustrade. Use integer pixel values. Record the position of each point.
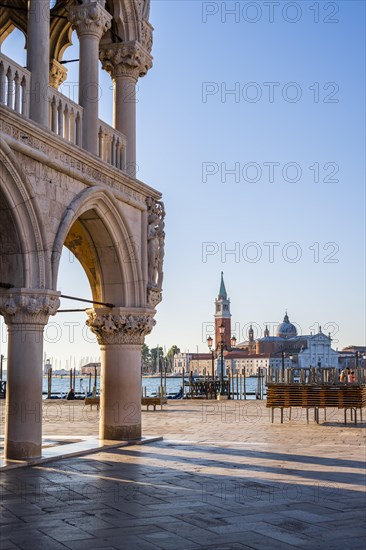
(14, 85)
(112, 146)
(65, 117)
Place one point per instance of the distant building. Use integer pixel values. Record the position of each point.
(89, 368)
(201, 364)
(197, 363)
(318, 352)
(238, 363)
(181, 363)
(347, 357)
(287, 348)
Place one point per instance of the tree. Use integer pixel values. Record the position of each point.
(155, 352)
(145, 358)
(170, 356)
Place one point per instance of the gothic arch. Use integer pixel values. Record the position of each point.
(94, 229)
(21, 233)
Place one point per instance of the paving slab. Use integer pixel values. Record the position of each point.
(223, 477)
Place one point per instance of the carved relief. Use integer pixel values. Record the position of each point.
(58, 74)
(155, 250)
(147, 36)
(120, 329)
(146, 9)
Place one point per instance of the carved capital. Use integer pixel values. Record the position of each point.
(90, 18)
(125, 59)
(58, 74)
(120, 325)
(28, 306)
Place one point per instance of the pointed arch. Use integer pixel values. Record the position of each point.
(23, 238)
(95, 230)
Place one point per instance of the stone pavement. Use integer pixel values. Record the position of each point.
(224, 477)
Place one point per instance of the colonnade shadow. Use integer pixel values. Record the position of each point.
(107, 496)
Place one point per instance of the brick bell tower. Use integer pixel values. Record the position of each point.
(222, 316)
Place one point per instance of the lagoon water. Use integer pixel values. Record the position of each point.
(173, 385)
(61, 385)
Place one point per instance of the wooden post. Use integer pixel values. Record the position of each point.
(89, 382)
(74, 378)
(49, 385)
(237, 385)
(258, 392)
(165, 378)
(245, 384)
(70, 378)
(182, 381)
(161, 374)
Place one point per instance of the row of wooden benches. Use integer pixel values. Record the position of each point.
(351, 397)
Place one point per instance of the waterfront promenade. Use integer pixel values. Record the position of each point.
(223, 477)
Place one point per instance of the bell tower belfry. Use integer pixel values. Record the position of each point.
(222, 316)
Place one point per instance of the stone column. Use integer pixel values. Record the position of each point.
(26, 313)
(120, 333)
(126, 62)
(38, 53)
(91, 21)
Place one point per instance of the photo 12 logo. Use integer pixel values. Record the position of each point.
(270, 12)
(269, 172)
(270, 251)
(270, 92)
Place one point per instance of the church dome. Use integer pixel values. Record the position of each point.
(286, 329)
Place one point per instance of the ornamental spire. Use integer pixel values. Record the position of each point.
(222, 291)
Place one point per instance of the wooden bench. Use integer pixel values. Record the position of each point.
(154, 401)
(93, 401)
(350, 397)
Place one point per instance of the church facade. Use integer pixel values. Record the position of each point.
(285, 349)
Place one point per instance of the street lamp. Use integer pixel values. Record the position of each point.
(209, 343)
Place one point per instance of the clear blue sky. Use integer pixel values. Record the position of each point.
(184, 135)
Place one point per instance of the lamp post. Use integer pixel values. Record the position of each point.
(222, 347)
(209, 343)
(222, 344)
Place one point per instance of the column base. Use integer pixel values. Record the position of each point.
(22, 450)
(121, 433)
